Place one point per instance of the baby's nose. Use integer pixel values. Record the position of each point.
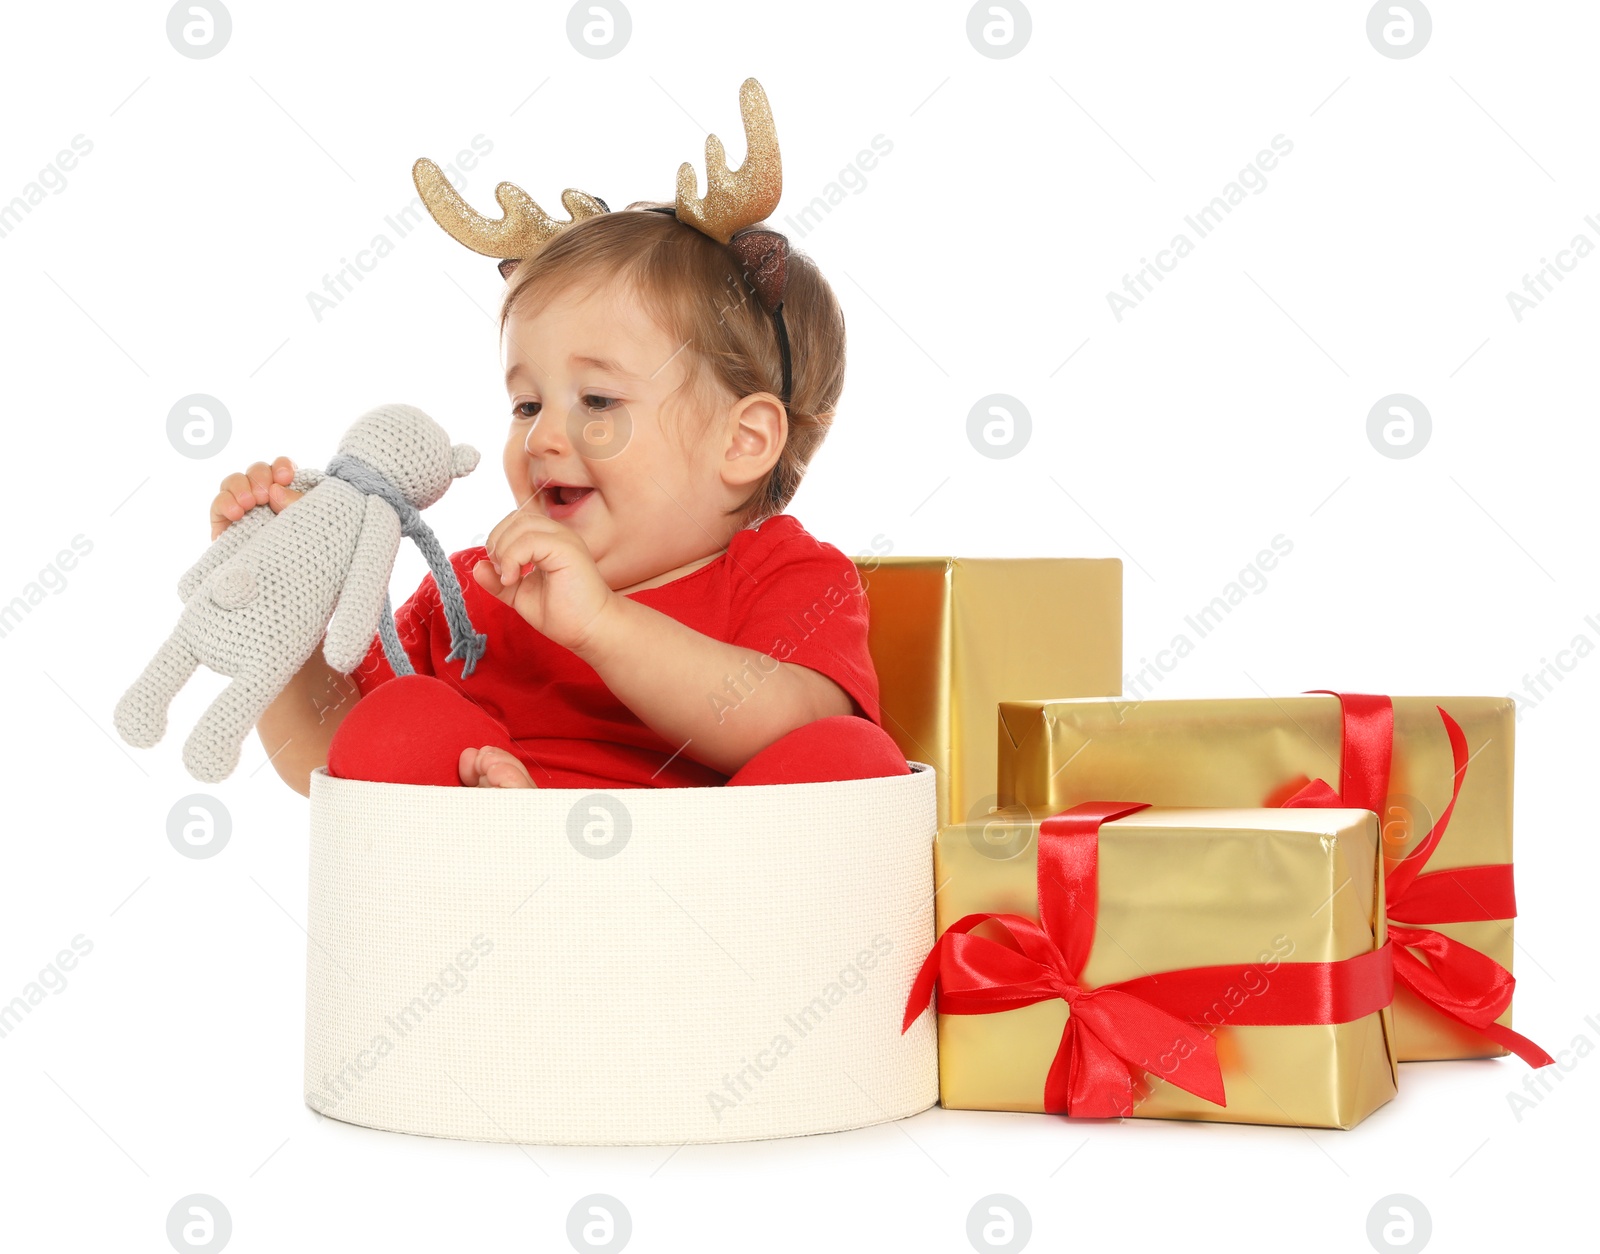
(546, 435)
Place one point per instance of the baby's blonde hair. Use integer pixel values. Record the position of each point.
(692, 287)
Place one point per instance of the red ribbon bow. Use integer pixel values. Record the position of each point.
(1459, 981)
(1115, 1031)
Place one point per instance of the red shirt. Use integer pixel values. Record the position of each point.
(777, 589)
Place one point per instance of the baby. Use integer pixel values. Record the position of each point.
(654, 618)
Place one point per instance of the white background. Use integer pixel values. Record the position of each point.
(1229, 407)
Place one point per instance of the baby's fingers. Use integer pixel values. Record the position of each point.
(263, 478)
(269, 485)
(260, 476)
(529, 550)
(488, 578)
(520, 540)
(260, 484)
(280, 497)
(228, 506)
(513, 524)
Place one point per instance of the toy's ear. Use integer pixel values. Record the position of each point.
(463, 460)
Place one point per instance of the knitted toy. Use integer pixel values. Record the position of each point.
(260, 599)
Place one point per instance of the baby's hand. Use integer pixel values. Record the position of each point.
(564, 595)
(260, 485)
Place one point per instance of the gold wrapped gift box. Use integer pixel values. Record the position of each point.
(1179, 889)
(1259, 751)
(953, 637)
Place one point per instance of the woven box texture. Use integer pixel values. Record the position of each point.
(640, 966)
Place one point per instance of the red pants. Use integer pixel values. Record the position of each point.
(412, 729)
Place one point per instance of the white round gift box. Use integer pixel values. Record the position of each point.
(633, 967)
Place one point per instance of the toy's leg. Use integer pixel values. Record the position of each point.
(845, 746)
(141, 715)
(411, 730)
(212, 750)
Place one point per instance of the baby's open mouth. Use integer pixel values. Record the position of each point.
(561, 500)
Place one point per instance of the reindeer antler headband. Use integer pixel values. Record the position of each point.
(734, 200)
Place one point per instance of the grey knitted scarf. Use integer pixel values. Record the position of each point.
(464, 641)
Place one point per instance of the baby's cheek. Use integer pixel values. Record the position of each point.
(514, 463)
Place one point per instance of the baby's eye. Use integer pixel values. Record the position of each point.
(600, 403)
(526, 410)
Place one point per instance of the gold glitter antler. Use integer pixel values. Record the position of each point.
(736, 198)
(523, 230)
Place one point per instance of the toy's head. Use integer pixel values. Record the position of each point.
(410, 449)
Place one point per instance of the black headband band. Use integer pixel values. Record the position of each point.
(777, 318)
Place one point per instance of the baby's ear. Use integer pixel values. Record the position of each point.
(463, 460)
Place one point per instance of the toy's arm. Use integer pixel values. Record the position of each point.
(360, 605)
(306, 478)
(223, 547)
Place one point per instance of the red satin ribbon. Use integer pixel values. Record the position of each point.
(1146, 1024)
(1457, 980)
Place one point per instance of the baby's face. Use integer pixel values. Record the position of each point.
(598, 442)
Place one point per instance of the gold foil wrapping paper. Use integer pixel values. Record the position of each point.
(952, 637)
(1257, 752)
(1185, 888)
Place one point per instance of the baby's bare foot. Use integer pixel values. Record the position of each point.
(493, 767)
